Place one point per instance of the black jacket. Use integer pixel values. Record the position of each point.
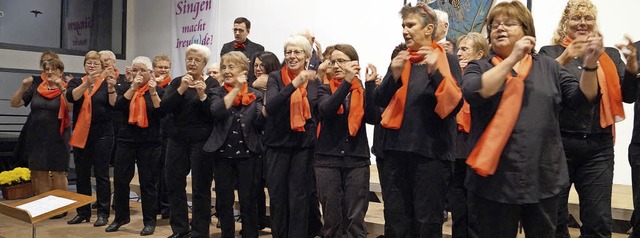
(251, 119)
(251, 48)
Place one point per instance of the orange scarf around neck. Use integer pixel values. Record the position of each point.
(83, 124)
(63, 114)
(244, 97)
(164, 82)
(356, 104)
(611, 110)
(138, 107)
(448, 93)
(486, 154)
(300, 111)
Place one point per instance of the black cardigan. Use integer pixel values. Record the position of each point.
(334, 138)
(251, 121)
(277, 130)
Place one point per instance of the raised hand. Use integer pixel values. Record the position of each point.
(576, 48)
(241, 79)
(594, 48)
(397, 64)
(371, 72)
(303, 77)
(137, 81)
(630, 52)
(261, 82)
(350, 69)
(26, 83)
(523, 47)
(200, 88)
(152, 86)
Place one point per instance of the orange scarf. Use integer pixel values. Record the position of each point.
(244, 97)
(356, 104)
(300, 111)
(611, 110)
(83, 124)
(486, 154)
(164, 82)
(63, 114)
(138, 108)
(448, 93)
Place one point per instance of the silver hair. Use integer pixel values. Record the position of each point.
(142, 60)
(299, 41)
(201, 49)
(442, 15)
(108, 53)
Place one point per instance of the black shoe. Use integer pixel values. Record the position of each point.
(78, 219)
(115, 225)
(165, 214)
(180, 235)
(102, 221)
(94, 205)
(64, 214)
(147, 230)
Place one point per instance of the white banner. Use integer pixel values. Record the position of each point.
(194, 22)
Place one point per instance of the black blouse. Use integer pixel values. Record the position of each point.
(533, 164)
(422, 132)
(132, 133)
(277, 130)
(586, 119)
(190, 117)
(101, 110)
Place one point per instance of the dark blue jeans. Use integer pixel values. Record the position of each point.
(590, 161)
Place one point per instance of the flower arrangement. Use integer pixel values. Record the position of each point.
(18, 175)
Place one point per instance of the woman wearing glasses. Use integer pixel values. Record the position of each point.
(186, 100)
(587, 131)
(421, 97)
(93, 97)
(290, 139)
(515, 96)
(139, 141)
(342, 152)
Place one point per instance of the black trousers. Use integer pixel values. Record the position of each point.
(95, 155)
(288, 180)
(315, 218)
(229, 172)
(146, 156)
(415, 190)
(261, 196)
(344, 195)
(493, 219)
(634, 161)
(590, 162)
(183, 156)
(458, 200)
(163, 197)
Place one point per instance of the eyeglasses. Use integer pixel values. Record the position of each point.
(294, 52)
(578, 19)
(339, 62)
(91, 63)
(258, 66)
(135, 71)
(507, 25)
(194, 60)
(229, 67)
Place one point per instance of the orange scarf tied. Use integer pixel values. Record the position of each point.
(300, 111)
(611, 110)
(63, 114)
(448, 93)
(356, 104)
(486, 154)
(244, 97)
(83, 124)
(164, 82)
(138, 108)
(463, 118)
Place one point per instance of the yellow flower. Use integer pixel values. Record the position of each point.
(16, 176)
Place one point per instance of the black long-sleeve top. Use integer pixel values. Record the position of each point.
(101, 110)
(378, 130)
(277, 130)
(586, 118)
(190, 117)
(533, 165)
(334, 139)
(251, 121)
(422, 132)
(132, 133)
(635, 138)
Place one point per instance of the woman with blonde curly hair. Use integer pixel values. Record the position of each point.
(588, 131)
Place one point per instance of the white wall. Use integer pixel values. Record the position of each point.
(372, 27)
